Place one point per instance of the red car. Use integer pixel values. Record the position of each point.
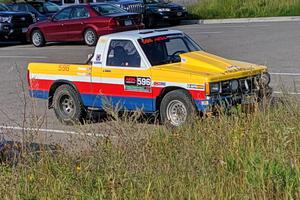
(84, 22)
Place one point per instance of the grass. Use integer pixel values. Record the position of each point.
(240, 156)
(219, 9)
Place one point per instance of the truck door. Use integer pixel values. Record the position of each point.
(125, 79)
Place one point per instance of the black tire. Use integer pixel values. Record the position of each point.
(67, 105)
(90, 37)
(175, 22)
(180, 98)
(37, 38)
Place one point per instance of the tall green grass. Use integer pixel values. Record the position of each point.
(217, 9)
(239, 156)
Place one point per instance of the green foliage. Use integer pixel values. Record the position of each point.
(240, 156)
(217, 9)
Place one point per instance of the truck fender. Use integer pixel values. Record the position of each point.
(164, 91)
(55, 85)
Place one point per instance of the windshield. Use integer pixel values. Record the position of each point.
(48, 7)
(166, 49)
(106, 9)
(3, 7)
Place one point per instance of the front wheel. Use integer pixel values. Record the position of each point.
(90, 37)
(67, 105)
(37, 38)
(177, 108)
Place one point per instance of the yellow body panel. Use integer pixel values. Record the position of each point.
(195, 68)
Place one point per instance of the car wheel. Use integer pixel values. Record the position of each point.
(90, 37)
(176, 108)
(37, 38)
(67, 105)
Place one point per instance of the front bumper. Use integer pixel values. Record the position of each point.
(9, 31)
(170, 16)
(212, 104)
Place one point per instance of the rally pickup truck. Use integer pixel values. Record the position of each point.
(156, 71)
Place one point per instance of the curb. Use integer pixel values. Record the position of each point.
(241, 20)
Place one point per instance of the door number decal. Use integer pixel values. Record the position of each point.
(137, 84)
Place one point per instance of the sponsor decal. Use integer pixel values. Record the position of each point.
(159, 83)
(233, 68)
(98, 57)
(195, 86)
(137, 84)
(155, 39)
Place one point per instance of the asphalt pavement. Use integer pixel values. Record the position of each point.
(274, 44)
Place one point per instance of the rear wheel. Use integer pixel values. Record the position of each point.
(90, 37)
(37, 38)
(176, 108)
(67, 105)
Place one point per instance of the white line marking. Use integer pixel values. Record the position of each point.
(23, 57)
(288, 93)
(49, 131)
(285, 74)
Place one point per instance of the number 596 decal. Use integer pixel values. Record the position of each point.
(144, 81)
(137, 84)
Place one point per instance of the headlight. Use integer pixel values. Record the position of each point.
(214, 88)
(164, 10)
(234, 84)
(265, 79)
(183, 8)
(5, 19)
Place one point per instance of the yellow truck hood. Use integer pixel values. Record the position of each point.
(212, 67)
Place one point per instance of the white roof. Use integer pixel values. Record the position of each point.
(140, 34)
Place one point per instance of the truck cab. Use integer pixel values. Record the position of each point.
(156, 71)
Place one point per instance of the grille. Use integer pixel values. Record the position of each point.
(22, 21)
(246, 86)
(135, 8)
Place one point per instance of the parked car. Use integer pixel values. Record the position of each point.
(163, 11)
(154, 11)
(134, 6)
(14, 24)
(41, 10)
(84, 22)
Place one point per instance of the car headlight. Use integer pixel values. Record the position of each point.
(234, 84)
(214, 88)
(183, 8)
(5, 19)
(164, 10)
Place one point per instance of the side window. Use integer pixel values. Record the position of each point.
(79, 13)
(63, 15)
(122, 53)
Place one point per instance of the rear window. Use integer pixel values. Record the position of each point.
(106, 9)
(46, 8)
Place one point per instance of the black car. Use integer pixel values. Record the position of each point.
(154, 11)
(13, 25)
(163, 11)
(41, 10)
